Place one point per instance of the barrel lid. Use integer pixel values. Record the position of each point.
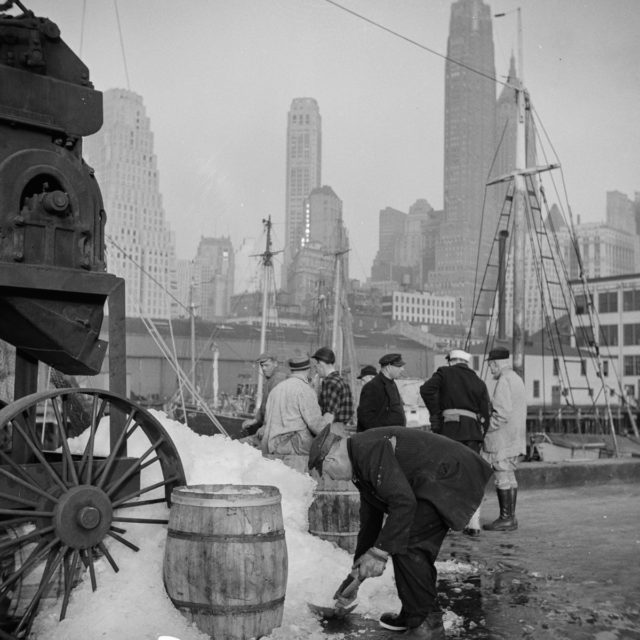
(225, 495)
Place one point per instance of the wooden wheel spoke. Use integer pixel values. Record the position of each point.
(34, 558)
(19, 471)
(32, 485)
(122, 540)
(61, 423)
(53, 561)
(107, 555)
(121, 502)
(140, 464)
(26, 512)
(69, 575)
(15, 498)
(125, 434)
(141, 520)
(86, 462)
(92, 569)
(140, 503)
(37, 452)
(18, 541)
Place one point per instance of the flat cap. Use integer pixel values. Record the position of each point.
(299, 363)
(320, 447)
(394, 359)
(367, 370)
(459, 354)
(499, 353)
(324, 354)
(263, 357)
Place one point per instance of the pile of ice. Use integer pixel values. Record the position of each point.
(133, 604)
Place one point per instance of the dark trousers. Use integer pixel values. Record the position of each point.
(415, 570)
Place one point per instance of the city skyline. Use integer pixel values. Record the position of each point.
(220, 122)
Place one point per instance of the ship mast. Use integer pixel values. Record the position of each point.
(519, 222)
(267, 279)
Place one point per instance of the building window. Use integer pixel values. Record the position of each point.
(631, 365)
(631, 334)
(583, 367)
(609, 335)
(536, 388)
(631, 300)
(556, 367)
(584, 336)
(608, 302)
(581, 305)
(605, 368)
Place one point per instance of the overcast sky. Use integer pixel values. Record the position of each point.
(218, 76)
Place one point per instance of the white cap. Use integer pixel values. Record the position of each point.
(459, 354)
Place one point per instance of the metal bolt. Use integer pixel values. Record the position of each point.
(88, 517)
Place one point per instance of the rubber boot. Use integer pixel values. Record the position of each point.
(507, 520)
(430, 629)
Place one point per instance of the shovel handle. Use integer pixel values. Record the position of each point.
(352, 586)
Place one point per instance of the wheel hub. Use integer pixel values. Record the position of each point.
(82, 516)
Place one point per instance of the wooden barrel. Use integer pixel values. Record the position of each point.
(225, 562)
(334, 514)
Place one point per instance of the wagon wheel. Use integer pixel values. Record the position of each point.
(58, 511)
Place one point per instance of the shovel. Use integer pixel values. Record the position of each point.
(345, 599)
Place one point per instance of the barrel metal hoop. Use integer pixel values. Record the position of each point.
(337, 492)
(328, 535)
(220, 537)
(225, 609)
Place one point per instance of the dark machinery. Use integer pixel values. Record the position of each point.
(63, 501)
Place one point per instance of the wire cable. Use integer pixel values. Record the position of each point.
(124, 56)
(418, 44)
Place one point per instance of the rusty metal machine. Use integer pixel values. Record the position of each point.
(64, 502)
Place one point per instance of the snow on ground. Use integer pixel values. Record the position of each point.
(133, 604)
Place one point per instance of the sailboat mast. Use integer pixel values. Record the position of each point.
(519, 222)
(267, 270)
(336, 342)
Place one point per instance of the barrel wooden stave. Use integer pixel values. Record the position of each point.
(226, 560)
(334, 514)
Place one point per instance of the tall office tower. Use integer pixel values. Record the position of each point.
(140, 246)
(390, 226)
(304, 155)
(403, 246)
(213, 273)
(469, 145)
(621, 212)
(312, 274)
(184, 280)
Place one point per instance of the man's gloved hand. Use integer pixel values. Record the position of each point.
(371, 563)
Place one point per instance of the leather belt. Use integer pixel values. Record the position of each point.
(453, 415)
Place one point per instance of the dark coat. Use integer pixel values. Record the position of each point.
(457, 387)
(380, 404)
(423, 466)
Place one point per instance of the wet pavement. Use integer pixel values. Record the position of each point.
(571, 571)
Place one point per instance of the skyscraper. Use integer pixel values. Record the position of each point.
(213, 278)
(469, 145)
(140, 246)
(312, 270)
(304, 155)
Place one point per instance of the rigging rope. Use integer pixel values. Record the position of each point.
(418, 44)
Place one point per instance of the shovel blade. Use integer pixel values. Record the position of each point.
(330, 613)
